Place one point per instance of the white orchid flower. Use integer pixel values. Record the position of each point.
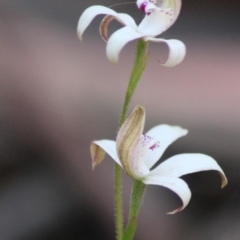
(137, 154)
(157, 20)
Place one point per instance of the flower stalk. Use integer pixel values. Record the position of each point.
(136, 202)
(141, 58)
(138, 68)
(118, 203)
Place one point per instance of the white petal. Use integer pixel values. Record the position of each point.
(157, 22)
(118, 40)
(166, 135)
(127, 20)
(89, 14)
(177, 51)
(109, 147)
(177, 185)
(182, 164)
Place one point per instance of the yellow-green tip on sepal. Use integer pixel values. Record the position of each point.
(97, 154)
(224, 180)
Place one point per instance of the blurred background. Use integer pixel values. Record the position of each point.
(58, 94)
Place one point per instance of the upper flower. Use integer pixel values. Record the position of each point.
(157, 20)
(138, 154)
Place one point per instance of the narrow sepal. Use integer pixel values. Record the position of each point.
(89, 14)
(182, 164)
(99, 148)
(177, 185)
(177, 51)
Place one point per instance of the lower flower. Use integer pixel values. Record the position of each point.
(137, 154)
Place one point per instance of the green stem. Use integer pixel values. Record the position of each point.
(136, 202)
(118, 202)
(138, 68)
(141, 58)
